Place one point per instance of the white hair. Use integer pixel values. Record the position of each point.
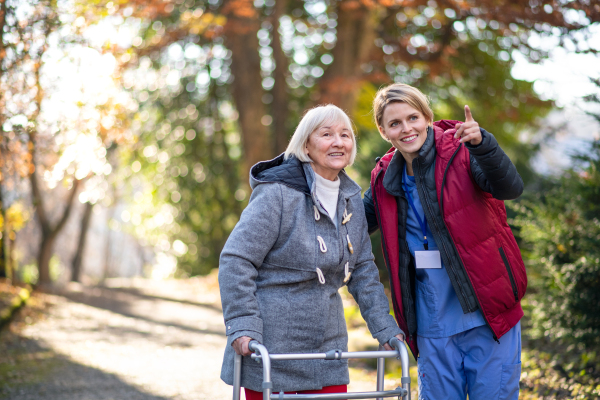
(313, 120)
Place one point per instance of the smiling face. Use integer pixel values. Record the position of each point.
(405, 127)
(330, 148)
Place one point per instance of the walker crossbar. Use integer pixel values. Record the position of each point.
(323, 356)
(398, 392)
(262, 355)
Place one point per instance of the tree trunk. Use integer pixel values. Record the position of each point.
(240, 30)
(279, 108)
(109, 239)
(3, 10)
(44, 256)
(355, 35)
(2, 261)
(5, 269)
(49, 232)
(2, 235)
(85, 225)
(3, 240)
(11, 266)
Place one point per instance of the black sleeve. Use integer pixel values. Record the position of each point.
(492, 169)
(370, 211)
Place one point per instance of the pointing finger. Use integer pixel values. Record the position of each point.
(468, 116)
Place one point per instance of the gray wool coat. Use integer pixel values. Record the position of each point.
(270, 288)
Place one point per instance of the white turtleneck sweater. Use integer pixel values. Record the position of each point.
(327, 193)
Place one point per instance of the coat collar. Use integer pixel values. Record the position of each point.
(296, 175)
(288, 172)
(348, 187)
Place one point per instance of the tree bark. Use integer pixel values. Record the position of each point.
(11, 266)
(2, 258)
(5, 270)
(241, 38)
(109, 239)
(77, 260)
(355, 35)
(2, 52)
(3, 251)
(44, 256)
(279, 108)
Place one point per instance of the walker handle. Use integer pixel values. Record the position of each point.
(255, 347)
(267, 385)
(400, 346)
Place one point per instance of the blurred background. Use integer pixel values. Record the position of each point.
(129, 127)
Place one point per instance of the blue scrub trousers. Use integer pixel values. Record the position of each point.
(470, 362)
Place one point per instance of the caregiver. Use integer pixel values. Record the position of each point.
(302, 237)
(456, 272)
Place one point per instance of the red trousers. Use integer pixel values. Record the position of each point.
(252, 395)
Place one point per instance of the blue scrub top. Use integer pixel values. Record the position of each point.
(439, 313)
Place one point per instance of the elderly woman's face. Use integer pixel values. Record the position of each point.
(330, 148)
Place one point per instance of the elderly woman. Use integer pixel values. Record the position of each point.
(302, 237)
(456, 272)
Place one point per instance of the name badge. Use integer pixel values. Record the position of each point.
(428, 259)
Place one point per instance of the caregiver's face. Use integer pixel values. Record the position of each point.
(405, 127)
(330, 148)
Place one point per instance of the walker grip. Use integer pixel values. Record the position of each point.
(395, 343)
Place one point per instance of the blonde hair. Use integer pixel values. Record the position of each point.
(400, 92)
(313, 120)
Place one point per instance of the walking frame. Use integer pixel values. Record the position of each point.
(261, 354)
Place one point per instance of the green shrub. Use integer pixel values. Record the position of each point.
(560, 233)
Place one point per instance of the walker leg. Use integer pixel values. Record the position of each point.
(403, 357)
(267, 385)
(380, 373)
(405, 370)
(237, 376)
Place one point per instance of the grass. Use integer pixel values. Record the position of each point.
(11, 298)
(24, 362)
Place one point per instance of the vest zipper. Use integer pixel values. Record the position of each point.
(442, 214)
(385, 253)
(510, 274)
(422, 195)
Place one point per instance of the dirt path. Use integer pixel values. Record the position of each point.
(135, 339)
(147, 341)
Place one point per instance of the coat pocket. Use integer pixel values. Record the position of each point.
(513, 284)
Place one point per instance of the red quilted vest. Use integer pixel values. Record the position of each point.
(478, 228)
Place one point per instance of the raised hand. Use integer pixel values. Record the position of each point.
(469, 130)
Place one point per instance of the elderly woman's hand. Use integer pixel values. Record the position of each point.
(240, 345)
(399, 336)
(469, 130)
